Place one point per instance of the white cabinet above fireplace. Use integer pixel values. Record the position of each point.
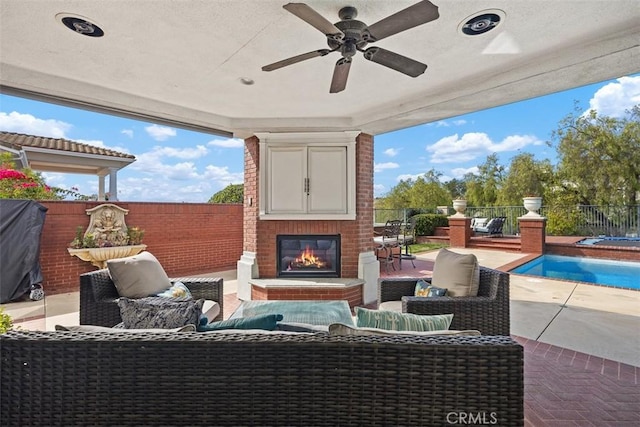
(307, 175)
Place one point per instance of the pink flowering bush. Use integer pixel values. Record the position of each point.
(24, 184)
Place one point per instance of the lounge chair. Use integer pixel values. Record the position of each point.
(493, 227)
(487, 312)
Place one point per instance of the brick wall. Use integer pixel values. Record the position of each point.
(356, 236)
(186, 238)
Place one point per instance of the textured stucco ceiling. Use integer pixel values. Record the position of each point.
(182, 61)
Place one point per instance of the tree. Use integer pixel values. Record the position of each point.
(482, 189)
(426, 192)
(232, 193)
(525, 177)
(599, 158)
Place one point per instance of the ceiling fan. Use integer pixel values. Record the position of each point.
(349, 36)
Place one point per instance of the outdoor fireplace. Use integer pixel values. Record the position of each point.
(308, 255)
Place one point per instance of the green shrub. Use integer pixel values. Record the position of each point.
(427, 223)
(6, 322)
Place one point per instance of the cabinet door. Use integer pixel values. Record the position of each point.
(287, 170)
(327, 172)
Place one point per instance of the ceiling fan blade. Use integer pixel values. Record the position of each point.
(418, 14)
(296, 59)
(395, 61)
(313, 18)
(340, 75)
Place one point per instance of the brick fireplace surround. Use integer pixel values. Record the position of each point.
(259, 246)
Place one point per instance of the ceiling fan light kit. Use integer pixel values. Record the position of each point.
(349, 36)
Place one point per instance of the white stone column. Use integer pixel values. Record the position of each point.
(101, 187)
(113, 184)
(369, 271)
(247, 269)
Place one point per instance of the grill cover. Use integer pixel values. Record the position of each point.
(21, 223)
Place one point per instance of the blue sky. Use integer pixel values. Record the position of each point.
(176, 165)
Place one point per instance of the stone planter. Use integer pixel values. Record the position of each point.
(532, 205)
(459, 205)
(99, 256)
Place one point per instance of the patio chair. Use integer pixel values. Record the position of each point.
(488, 312)
(407, 238)
(493, 227)
(99, 296)
(388, 242)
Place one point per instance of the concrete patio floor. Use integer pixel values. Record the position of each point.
(582, 342)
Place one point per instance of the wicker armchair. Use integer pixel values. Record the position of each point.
(99, 297)
(488, 312)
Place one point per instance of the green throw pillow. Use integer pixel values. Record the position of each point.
(264, 321)
(425, 289)
(394, 321)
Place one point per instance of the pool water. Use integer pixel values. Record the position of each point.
(619, 274)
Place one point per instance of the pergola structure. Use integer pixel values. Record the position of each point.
(61, 155)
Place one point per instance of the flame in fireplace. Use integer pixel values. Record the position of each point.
(308, 259)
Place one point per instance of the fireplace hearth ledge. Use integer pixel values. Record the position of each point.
(322, 282)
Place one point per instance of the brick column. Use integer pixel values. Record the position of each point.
(532, 235)
(459, 231)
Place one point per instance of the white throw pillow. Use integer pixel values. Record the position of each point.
(458, 273)
(138, 276)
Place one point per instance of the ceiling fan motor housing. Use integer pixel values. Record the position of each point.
(355, 33)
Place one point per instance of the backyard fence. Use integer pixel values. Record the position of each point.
(579, 220)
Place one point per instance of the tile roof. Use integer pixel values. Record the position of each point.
(19, 141)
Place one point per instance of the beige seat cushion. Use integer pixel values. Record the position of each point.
(458, 273)
(391, 306)
(138, 276)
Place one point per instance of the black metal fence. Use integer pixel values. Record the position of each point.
(579, 220)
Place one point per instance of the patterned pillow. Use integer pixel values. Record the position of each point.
(395, 321)
(159, 312)
(340, 329)
(425, 289)
(177, 290)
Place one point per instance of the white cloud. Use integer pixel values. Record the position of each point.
(407, 176)
(391, 152)
(475, 144)
(379, 167)
(460, 172)
(30, 125)
(448, 123)
(227, 143)
(160, 133)
(379, 190)
(128, 132)
(614, 98)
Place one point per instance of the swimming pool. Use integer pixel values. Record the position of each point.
(618, 274)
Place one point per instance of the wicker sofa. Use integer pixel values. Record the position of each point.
(99, 296)
(270, 379)
(488, 312)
